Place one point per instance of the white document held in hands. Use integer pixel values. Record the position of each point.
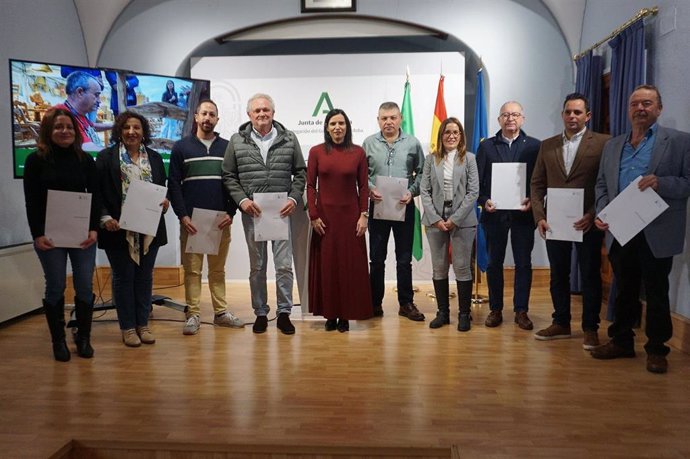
(270, 226)
(141, 211)
(392, 189)
(67, 218)
(631, 211)
(508, 185)
(564, 207)
(208, 235)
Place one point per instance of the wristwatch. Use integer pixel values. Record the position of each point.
(365, 214)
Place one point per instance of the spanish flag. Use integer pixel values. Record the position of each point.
(439, 114)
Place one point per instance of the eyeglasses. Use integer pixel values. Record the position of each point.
(507, 115)
(451, 133)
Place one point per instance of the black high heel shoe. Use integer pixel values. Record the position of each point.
(343, 326)
(331, 324)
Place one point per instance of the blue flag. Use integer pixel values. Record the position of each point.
(479, 133)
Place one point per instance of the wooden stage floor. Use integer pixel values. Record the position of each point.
(495, 393)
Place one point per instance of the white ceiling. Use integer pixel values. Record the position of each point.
(98, 16)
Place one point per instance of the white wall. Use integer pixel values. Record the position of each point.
(514, 67)
(670, 66)
(41, 31)
(31, 30)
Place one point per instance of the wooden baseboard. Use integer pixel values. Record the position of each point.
(163, 276)
(152, 450)
(681, 333)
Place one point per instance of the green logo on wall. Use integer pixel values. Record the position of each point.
(323, 99)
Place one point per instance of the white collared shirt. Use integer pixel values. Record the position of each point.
(570, 149)
(264, 142)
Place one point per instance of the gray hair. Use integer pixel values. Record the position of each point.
(261, 96)
(79, 79)
(512, 102)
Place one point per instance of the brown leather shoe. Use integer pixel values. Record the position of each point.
(494, 319)
(410, 311)
(522, 319)
(591, 340)
(657, 363)
(611, 350)
(553, 331)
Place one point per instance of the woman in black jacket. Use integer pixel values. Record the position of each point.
(132, 255)
(60, 164)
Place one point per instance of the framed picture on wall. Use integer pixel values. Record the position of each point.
(327, 6)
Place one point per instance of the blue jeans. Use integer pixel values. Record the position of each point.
(132, 286)
(403, 234)
(54, 264)
(589, 258)
(258, 262)
(522, 242)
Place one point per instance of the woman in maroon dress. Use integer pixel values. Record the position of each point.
(337, 195)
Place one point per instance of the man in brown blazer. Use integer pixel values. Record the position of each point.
(571, 160)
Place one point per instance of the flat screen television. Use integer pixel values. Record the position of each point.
(165, 101)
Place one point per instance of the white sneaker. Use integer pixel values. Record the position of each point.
(227, 319)
(191, 327)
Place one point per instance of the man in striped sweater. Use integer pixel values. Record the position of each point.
(195, 181)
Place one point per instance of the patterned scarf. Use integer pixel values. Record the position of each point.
(130, 171)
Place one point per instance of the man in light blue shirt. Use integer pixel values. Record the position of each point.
(662, 157)
(392, 153)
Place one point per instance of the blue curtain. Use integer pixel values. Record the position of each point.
(627, 72)
(588, 82)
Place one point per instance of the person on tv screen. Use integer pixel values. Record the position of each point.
(131, 82)
(83, 96)
(61, 164)
(132, 255)
(65, 71)
(169, 128)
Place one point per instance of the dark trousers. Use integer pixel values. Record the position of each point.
(132, 285)
(403, 234)
(589, 260)
(522, 242)
(632, 264)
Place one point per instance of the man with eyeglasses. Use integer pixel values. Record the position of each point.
(662, 157)
(392, 153)
(509, 145)
(571, 160)
(83, 97)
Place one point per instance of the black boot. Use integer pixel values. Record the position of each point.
(464, 303)
(55, 316)
(443, 313)
(84, 313)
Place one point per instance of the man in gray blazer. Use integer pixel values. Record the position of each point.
(662, 157)
(571, 160)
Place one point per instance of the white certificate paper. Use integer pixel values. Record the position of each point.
(67, 218)
(270, 226)
(564, 207)
(208, 235)
(508, 185)
(631, 211)
(141, 211)
(392, 189)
